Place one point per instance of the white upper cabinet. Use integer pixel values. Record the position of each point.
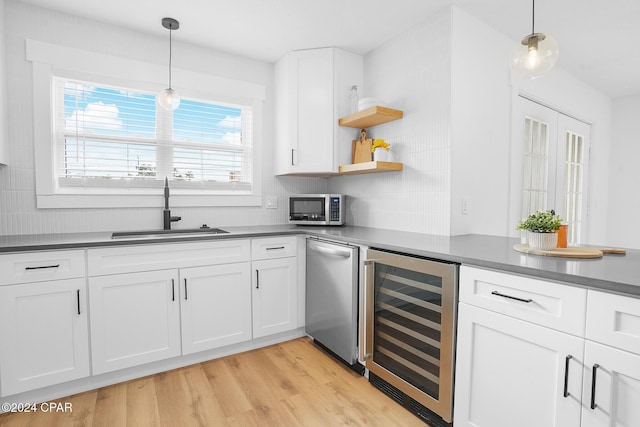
(312, 92)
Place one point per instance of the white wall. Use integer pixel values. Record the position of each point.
(623, 201)
(411, 73)
(482, 97)
(18, 212)
(451, 78)
(481, 114)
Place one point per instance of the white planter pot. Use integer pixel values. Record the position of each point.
(542, 241)
(380, 155)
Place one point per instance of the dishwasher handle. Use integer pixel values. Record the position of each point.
(344, 253)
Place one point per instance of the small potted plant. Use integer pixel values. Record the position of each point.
(380, 149)
(541, 229)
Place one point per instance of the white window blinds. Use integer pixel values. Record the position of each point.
(119, 137)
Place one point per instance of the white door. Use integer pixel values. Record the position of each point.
(216, 306)
(44, 333)
(135, 319)
(275, 296)
(549, 166)
(504, 379)
(615, 401)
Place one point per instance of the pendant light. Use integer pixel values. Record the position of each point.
(535, 54)
(168, 98)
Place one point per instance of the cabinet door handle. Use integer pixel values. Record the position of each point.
(42, 266)
(173, 290)
(78, 300)
(511, 297)
(275, 248)
(257, 279)
(566, 376)
(292, 157)
(593, 386)
(185, 289)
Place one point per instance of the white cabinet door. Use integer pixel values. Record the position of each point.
(312, 88)
(216, 306)
(275, 296)
(615, 400)
(512, 373)
(44, 334)
(135, 319)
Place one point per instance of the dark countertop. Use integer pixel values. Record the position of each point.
(613, 273)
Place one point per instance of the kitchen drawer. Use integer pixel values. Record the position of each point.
(25, 267)
(614, 320)
(129, 259)
(273, 247)
(554, 305)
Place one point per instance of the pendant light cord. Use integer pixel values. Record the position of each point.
(170, 42)
(533, 18)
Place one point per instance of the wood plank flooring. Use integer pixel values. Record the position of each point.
(288, 384)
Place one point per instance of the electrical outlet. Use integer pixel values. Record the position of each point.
(271, 202)
(464, 206)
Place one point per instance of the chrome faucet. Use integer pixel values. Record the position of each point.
(168, 219)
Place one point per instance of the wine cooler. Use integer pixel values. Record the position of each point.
(409, 331)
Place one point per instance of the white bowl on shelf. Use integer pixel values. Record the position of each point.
(365, 103)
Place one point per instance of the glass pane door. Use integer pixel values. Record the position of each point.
(408, 325)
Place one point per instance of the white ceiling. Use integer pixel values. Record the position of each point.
(599, 39)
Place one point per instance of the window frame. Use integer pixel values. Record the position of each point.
(49, 60)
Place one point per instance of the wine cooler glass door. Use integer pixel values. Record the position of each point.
(410, 326)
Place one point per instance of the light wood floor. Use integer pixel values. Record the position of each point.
(289, 384)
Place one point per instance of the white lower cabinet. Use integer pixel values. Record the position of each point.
(68, 315)
(44, 334)
(518, 365)
(135, 319)
(274, 283)
(139, 317)
(615, 400)
(512, 373)
(144, 317)
(275, 296)
(216, 306)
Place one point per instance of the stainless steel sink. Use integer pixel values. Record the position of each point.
(155, 234)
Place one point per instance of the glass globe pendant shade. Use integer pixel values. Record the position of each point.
(169, 99)
(534, 56)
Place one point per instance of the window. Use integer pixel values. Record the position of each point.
(101, 141)
(109, 136)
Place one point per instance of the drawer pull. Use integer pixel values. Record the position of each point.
(42, 266)
(275, 248)
(566, 376)
(593, 386)
(511, 297)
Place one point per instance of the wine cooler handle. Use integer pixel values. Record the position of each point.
(367, 333)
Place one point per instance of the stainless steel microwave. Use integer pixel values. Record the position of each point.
(317, 209)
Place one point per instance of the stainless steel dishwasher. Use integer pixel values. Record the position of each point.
(332, 298)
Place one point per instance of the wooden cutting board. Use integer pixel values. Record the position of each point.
(361, 148)
(570, 252)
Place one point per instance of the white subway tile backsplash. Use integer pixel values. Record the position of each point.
(413, 73)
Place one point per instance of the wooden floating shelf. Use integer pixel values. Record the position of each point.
(369, 167)
(370, 117)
